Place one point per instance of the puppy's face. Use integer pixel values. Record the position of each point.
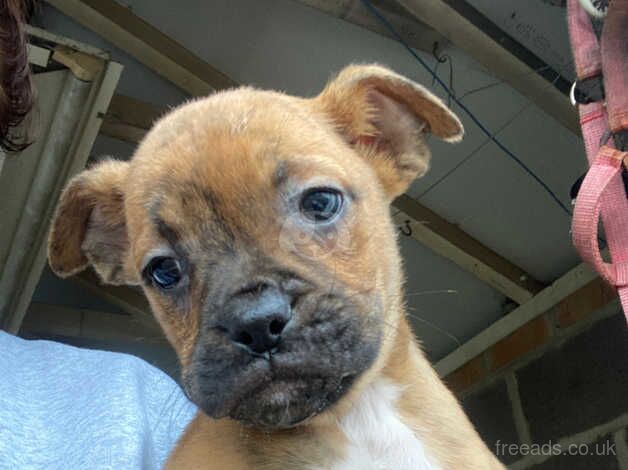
(258, 226)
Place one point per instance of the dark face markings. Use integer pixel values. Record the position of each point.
(333, 337)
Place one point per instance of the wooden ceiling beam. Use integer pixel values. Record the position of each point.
(129, 119)
(129, 300)
(127, 31)
(454, 244)
(445, 17)
(567, 285)
(59, 320)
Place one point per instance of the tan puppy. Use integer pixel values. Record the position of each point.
(258, 226)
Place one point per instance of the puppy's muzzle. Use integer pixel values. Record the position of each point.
(280, 350)
(255, 318)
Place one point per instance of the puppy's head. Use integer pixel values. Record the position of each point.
(258, 226)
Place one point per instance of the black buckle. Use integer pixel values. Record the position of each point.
(575, 189)
(621, 140)
(587, 91)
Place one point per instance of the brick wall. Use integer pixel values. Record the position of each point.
(555, 394)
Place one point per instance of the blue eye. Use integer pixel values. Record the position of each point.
(164, 272)
(321, 204)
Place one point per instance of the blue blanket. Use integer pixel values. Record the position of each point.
(63, 407)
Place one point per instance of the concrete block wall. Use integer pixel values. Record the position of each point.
(561, 406)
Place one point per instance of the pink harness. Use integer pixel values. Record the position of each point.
(602, 91)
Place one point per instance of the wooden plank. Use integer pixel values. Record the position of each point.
(128, 299)
(451, 242)
(576, 279)
(51, 40)
(134, 112)
(38, 55)
(500, 62)
(118, 25)
(84, 66)
(61, 154)
(129, 119)
(58, 320)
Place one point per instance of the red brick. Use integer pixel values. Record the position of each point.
(584, 301)
(527, 338)
(467, 375)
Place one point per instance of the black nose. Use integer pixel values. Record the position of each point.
(256, 318)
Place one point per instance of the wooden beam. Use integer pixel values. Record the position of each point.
(573, 281)
(32, 183)
(128, 299)
(59, 320)
(118, 25)
(130, 119)
(451, 242)
(38, 55)
(84, 66)
(444, 17)
(415, 33)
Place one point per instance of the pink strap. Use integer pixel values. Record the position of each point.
(602, 194)
(602, 185)
(586, 51)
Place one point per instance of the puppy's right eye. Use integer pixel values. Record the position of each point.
(164, 272)
(321, 204)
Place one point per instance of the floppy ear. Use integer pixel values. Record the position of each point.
(89, 226)
(385, 116)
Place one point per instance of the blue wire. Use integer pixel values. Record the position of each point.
(467, 111)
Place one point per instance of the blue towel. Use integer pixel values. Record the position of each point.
(63, 407)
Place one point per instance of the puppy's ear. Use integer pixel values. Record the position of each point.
(89, 226)
(385, 117)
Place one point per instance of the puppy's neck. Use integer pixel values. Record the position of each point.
(377, 435)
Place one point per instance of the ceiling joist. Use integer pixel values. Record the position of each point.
(89, 324)
(499, 61)
(129, 119)
(570, 283)
(453, 243)
(147, 44)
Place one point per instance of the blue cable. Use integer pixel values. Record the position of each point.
(467, 111)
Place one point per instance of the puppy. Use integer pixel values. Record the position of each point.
(258, 226)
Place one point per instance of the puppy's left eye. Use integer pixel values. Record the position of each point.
(164, 272)
(321, 204)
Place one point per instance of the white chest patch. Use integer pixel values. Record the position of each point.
(378, 439)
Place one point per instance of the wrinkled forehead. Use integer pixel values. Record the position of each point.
(234, 155)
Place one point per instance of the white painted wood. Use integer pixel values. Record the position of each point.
(563, 445)
(543, 301)
(32, 182)
(38, 55)
(144, 43)
(425, 235)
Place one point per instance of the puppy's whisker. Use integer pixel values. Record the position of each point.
(434, 326)
(432, 292)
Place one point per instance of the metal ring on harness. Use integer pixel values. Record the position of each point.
(587, 91)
